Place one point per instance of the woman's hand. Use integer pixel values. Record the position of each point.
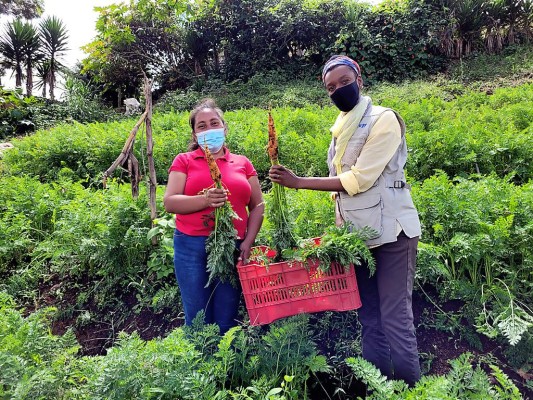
(283, 176)
(215, 197)
(245, 249)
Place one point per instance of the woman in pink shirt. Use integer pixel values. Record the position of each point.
(186, 197)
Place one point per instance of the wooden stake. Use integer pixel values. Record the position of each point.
(127, 157)
(152, 179)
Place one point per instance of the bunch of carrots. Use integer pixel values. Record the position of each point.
(220, 244)
(278, 214)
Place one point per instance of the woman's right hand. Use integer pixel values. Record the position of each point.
(215, 197)
(283, 176)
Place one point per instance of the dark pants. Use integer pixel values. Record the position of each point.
(388, 334)
(220, 301)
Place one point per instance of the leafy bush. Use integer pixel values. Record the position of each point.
(477, 238)
(395, 40)
(21, 115)
(462, 382)
(461, 134)
(33, 361)
(276, 88)
(196, 363)
(15, 113)
(96, 241)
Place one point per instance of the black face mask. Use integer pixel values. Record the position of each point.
(346, 97)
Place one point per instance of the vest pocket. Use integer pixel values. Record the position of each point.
(363, 210)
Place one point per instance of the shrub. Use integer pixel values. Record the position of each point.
(275, 88)
(465, 134)
(15, 113)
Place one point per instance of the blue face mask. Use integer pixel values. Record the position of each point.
(213, 138)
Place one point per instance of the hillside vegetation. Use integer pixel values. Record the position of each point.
(77, 265)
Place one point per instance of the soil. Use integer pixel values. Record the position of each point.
(435, 346)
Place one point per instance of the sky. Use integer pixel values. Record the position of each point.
(79, 18)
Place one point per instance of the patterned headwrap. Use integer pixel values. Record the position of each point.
(340, 60)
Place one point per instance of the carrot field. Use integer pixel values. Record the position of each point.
(89, 306)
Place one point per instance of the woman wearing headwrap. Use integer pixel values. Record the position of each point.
(366, 158)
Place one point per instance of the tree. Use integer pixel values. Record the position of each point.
(54, 37)
(32, 55)
(144, 35)
(12, 47)
(526, 20)
(43, 75)
(22, 8)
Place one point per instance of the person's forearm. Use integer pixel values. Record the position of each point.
(183, 204)
(255, 219)
(328, 184)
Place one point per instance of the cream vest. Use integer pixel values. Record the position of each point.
(388, 203)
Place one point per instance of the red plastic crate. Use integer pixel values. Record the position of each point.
(286, 288)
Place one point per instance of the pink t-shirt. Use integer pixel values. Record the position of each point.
(235, 170)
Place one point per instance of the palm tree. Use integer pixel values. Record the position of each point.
(43, 75)
(526, 19)
(54, 38)
(470, 16)
(12, 43)
(32, 55)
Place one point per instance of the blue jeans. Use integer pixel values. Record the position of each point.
(220, 301)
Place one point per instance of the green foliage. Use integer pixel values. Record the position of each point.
(91, 249)
(311, 211)
(182, 45)
(80, 103)
(18, 46)
(32, 360)
(191, 363)
(344, 245)
(445, 132)
(161, 259)
(25, 8)
(504, 316)
(220, 246)
(462, 382)
(477, 133)
(140, 36)
(15, 113)
(54, 38)
(96, 241)
(21, 115)
(513, 63)
(196, 363)
(90, 149)
(394, 41)
(275, 88)
(282, 236)
(519, 355)
(477, 243)
(479, 227)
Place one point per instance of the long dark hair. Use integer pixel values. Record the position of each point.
(205, 104)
